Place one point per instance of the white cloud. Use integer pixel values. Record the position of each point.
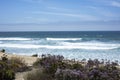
(115, 4)
(80, 16)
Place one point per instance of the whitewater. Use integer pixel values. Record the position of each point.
(78, 45)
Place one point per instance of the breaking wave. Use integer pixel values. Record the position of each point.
(18, 39)
(92, 45)
(63, 39)
(67, 45)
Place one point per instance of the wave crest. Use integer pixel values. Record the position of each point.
(65, 46)
(63, 39)
(20, 39)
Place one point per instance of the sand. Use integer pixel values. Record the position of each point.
(28, 60)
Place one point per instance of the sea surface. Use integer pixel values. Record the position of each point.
(70, 44)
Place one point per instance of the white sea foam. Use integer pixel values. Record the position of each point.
(89, 44)
(63, 39)
(92, 45)
(86, 46)
(20, 45)
(17, 38)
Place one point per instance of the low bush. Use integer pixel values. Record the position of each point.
(15, 63)
(35, 55)
(50, 63)
(54, 66)
(3, 50)
(8, 67)
(6, 73)
(18, 64)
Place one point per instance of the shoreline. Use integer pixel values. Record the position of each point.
(29, 60)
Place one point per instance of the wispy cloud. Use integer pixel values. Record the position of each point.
(80, 16)
(94, 9)
(103, 12)
(32, 1)
(59, 9)
(115, 4)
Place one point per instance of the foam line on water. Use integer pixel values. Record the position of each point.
(90, 44)
(63, 39)
(17, 38)
(86, 47)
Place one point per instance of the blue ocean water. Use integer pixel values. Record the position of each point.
(70, 44)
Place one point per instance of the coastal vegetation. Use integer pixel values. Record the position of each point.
(35, 55)
(8, 67)
(54, 67)
(6, 72)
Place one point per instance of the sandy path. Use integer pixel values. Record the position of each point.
(28, 60)
(20, 75)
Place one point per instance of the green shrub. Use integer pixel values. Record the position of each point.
(3, 50)
(77, 66)
(15, 63)
(54, 66)
(35, 55)
(50, 63)
(6, 73)
(18, 64)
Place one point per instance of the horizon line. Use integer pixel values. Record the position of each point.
(68, 31)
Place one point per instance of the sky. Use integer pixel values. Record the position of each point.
(59, 15)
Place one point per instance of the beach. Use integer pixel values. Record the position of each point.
(28, 60)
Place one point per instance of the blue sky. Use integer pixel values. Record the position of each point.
(59, 15)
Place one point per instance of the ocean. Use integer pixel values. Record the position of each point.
(71, 44)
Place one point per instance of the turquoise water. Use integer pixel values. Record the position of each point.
(78, 45)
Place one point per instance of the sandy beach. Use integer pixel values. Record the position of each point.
(28, 60)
